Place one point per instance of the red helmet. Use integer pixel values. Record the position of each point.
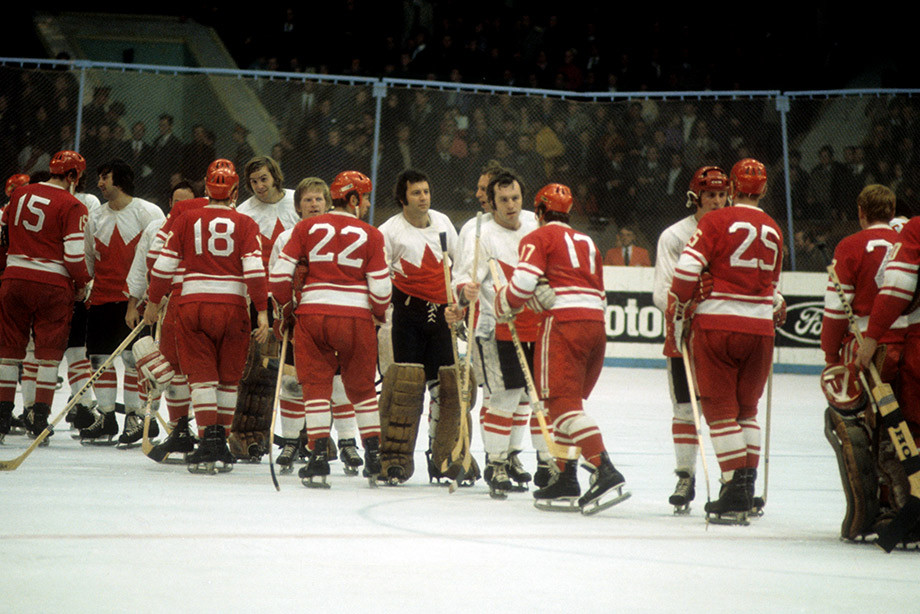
(65, 161)
(20, 179)
(554, 197)
(710, 178)
(349, 181)
(842, 388)
(748, 177)
(221, 163)
(221, 182)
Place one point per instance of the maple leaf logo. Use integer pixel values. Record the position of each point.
(425, 281)
(111, 268)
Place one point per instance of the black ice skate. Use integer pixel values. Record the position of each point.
(179, 441)
(517, 473)
(546, 469)
(317, 466)
(434, 472)
(6, 419)
(36, 421)
(290, 449)
(498, 481)
(80, 416)
(212, 449)
(684, 493)
(348, 454)
(561, 494)
(734, 503)
(133, 431)
(372, 461)
(101, 432)
(606, 488)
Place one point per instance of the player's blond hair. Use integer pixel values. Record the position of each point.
(877, 203)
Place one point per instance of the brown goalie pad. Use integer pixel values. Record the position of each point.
(402, 398)
(892, 474)
(248, 438)
(448, 429)
(851, 442)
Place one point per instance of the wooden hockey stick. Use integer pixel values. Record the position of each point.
(691, 385)
(766, 439)
(893, 420)
(146, 444)
(556, 450)
(461, 449)
(271, 428)
(12, 464)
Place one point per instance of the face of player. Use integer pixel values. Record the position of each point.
(312, 203)
(106, 186)
(181, 194)
(418, 199)
(363, 207)
(710, 201)
(508, 203)
(481, 195)
(263, 185)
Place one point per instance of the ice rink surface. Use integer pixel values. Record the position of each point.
(93, 529)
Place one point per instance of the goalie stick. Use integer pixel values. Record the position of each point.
(887, 407)
(556, 450)
(461, 450)
(12, 464)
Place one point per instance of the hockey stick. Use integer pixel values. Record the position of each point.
(691, 385)
(892, 419)
(556, 450)
(766, 439)
(146, 445)
(462, 447)
(271, 428)
(12, 464)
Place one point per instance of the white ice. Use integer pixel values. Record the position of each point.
(91, 529)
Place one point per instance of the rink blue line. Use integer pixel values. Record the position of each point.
(659, 363)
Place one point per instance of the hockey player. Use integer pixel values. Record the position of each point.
(503, 380)
(112, 235)
(732, 331)
(707, 192)
(570, 346)
(220, 253)
(313, 198)
(420, 334)
(42, 229)
(271, 205)
(346, 290)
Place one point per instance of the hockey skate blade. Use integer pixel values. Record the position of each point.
(350, 471)
(371, 481)
(99, 443)
(287, 469)
(739, 519)
(321, 485)
(682, 510)
(498, 495)
(209, 468)
(561, 504)
(602, 503)
(128, 446)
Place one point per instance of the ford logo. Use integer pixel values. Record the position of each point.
(803, 322)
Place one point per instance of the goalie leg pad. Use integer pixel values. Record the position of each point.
(448, 425)
(892, 473)
(402, 398)
(248, 438)
(851, 443)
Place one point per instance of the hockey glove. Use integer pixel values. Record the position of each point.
(544, 297)
(677, 325)
(151, 363)
(779, 310)
(503, 311)
(284, 319)
(703, 288)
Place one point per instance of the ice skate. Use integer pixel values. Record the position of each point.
(561, 494)
(348, 454)
(372, 460)
(734, 503)
(517, 473)
(80, 416)
(289, 451)
(434, 472)
(133, 431)
(684, 493)
(212, 449)
(36, 421)
(317, 466)
(546, 469)
(606, 488)
(101, 432)
(498, 481)
(6, 419)
(179, 441)
(396, 475)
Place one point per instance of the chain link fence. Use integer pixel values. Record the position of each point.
(627, 157)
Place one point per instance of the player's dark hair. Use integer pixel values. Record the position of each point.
(402, 183)
(183, 185)
(122, 175)
(552, 216)
(504, 179)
